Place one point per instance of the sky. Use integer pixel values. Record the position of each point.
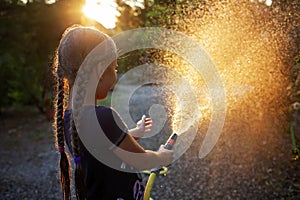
(103, 11)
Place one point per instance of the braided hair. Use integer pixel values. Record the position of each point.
(75, 44)
(64, 162)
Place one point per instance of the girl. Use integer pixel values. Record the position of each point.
(94, 179)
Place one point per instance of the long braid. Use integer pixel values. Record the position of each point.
(79, 181)
(64, 162)
(82, 78)
(75, 45)
(80, 188)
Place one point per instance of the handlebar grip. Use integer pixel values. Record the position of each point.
(171, 141)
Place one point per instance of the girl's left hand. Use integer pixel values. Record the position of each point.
(143, 126)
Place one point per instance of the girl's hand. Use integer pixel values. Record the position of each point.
(143, 126)
(167, 156)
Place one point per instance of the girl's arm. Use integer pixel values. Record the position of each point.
(135, 155)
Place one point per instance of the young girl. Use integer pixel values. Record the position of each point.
(94, 179)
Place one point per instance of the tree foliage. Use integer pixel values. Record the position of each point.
(130, 18)
(29, 34)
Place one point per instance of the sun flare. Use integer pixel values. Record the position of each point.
(104, 12)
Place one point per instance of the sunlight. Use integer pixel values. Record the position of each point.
(268, 2)
(104, 12)
(46, 1)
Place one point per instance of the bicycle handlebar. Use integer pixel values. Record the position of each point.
(156, 171)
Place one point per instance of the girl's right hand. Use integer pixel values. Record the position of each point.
(166, 156)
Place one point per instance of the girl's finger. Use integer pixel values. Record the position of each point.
(150, 120)
(148, 126)
(147, 130)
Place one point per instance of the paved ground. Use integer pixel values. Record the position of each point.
(246, 163)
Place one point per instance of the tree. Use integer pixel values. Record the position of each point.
(130, 18)
(29, 34)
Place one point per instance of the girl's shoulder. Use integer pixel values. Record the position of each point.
(110, 116)
(103, 110)
(100, 110)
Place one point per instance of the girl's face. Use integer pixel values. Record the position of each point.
(107, 80)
